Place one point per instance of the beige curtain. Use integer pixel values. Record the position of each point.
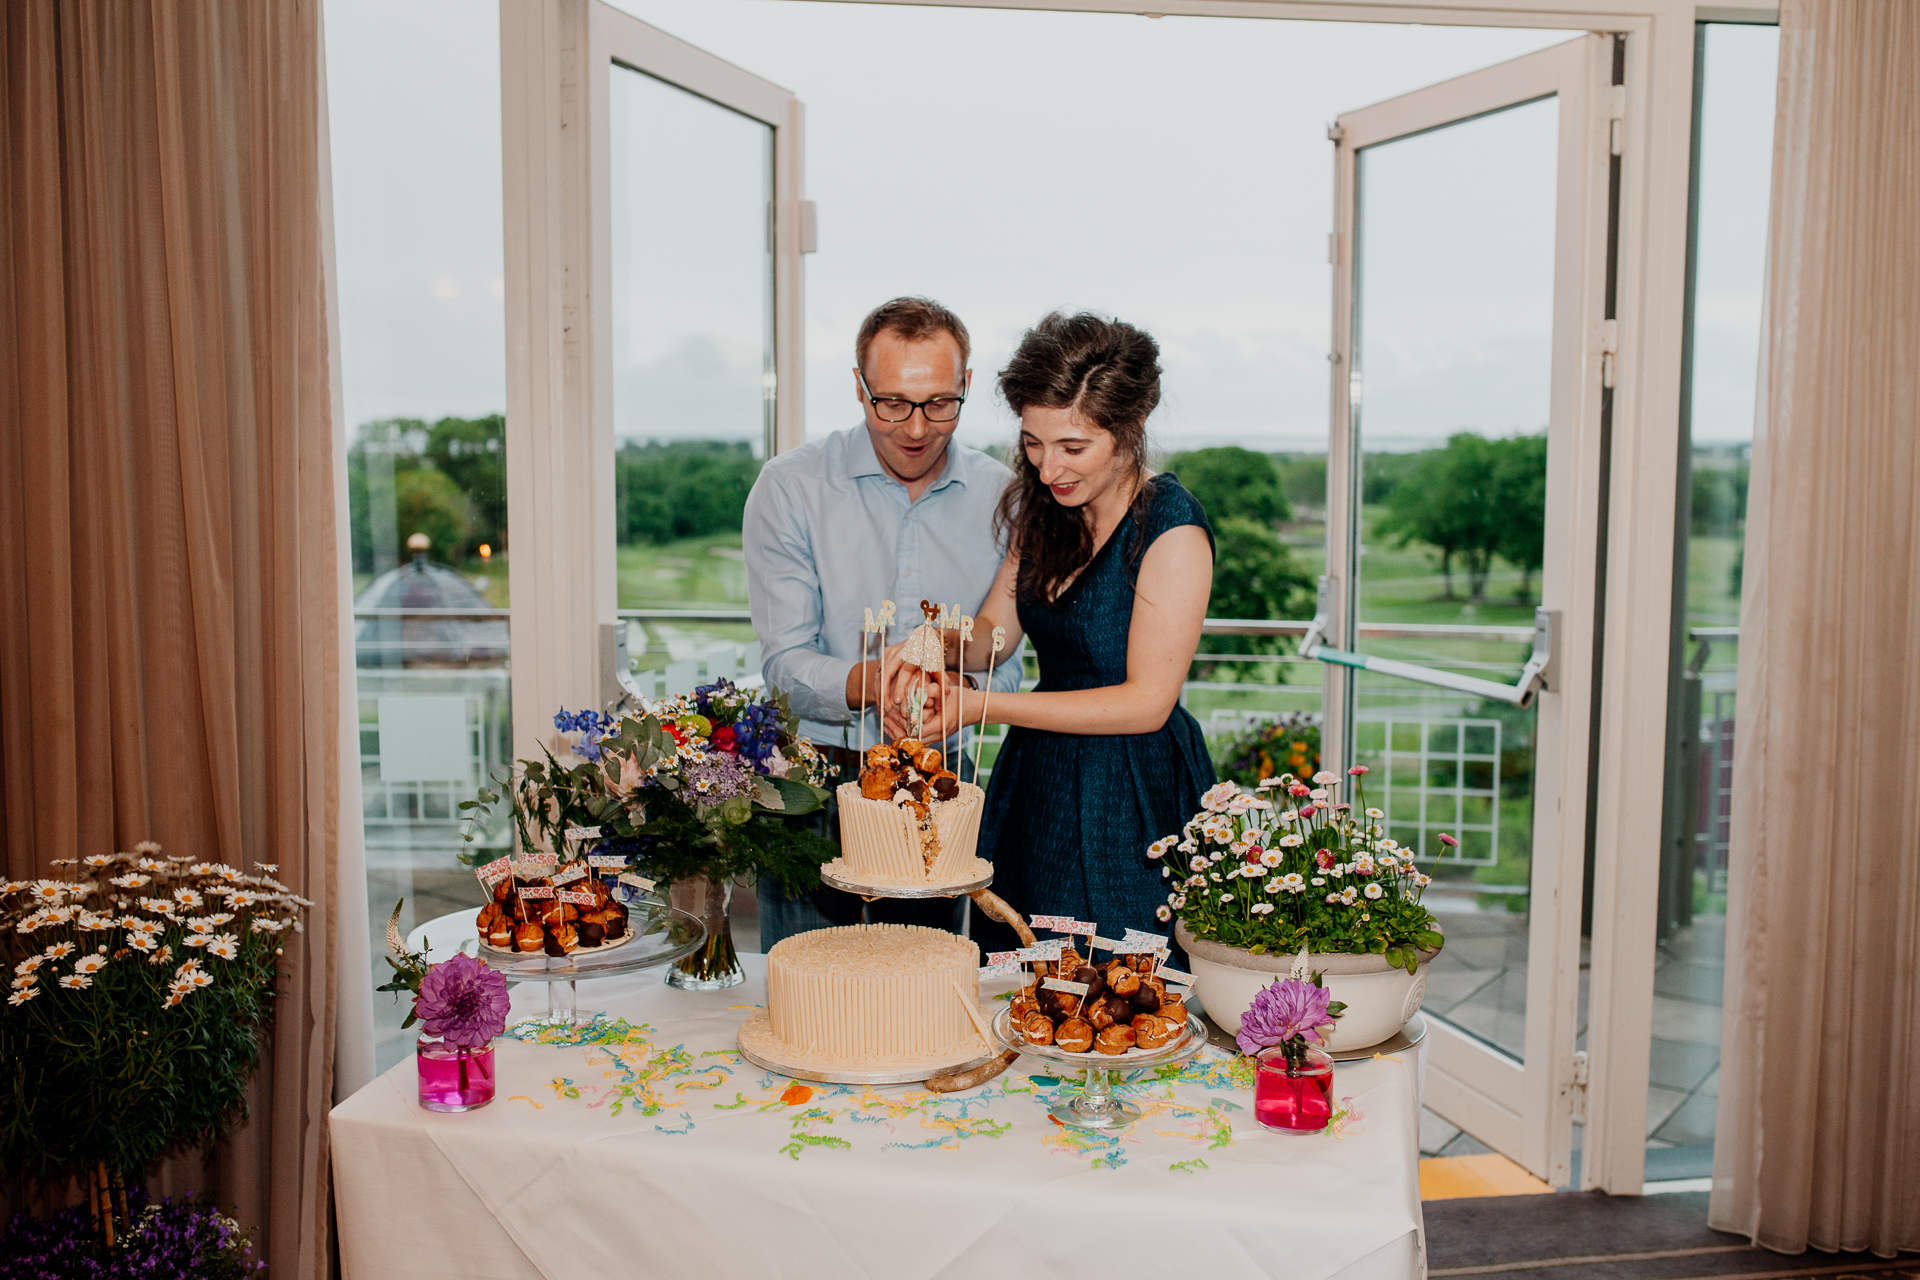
(1819, 1119)
(169, 631)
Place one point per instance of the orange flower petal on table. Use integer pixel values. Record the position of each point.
(796, 1094)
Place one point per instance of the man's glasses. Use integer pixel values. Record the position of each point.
(895, 409)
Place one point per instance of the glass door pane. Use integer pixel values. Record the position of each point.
(415, 125)
(693, 360)
(1453, 364)
(1734, 164)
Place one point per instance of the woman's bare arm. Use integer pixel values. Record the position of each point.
(1169, 606)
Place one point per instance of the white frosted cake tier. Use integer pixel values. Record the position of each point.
(881, 843)
(873, 994)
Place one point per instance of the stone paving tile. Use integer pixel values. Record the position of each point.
(1686, 1021)
(1682, 1066)
(1661, 1103)
(1690, 980)
(1691, 1123)
(1435, 1132)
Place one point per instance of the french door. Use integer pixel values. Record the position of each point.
(655, 226)
(1464, 519)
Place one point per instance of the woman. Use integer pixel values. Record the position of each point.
(1107, 571)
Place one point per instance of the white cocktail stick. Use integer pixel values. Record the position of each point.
(866, 629)
(999, 643)
(886, 626)
(960, 683)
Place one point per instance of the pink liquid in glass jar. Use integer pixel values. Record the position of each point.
(453, 1079)
(1294, 1100)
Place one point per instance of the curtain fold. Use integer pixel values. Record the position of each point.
(1818, 1127)
(169, 661)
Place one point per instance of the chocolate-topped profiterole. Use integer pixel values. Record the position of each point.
(1037, 1029)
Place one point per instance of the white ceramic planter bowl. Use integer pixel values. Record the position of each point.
(1380, 999)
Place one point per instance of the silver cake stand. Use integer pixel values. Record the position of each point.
(1098, 1107)
(658, 934)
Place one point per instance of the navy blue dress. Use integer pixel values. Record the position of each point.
(1069, 816)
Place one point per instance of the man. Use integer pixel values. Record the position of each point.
(888, 510)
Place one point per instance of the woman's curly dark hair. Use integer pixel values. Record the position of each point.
(1106, 371)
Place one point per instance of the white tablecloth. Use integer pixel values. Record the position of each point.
(660, 1152)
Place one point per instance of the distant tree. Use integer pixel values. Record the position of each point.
(1520, 505)
(1472, 500)
(428, 501)
(1303, 478)
(1443, 498)
(1254, 576)
(681, 489)
(1719, 498)
(472, 452)
(1381, 474)
(1233, 482)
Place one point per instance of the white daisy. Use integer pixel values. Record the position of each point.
(1262, 908)
(89, 964)
(227, 947)
(74, 982)
(29, 964)
(58, 951)
(131, 880)
(1375, 891)
(23, 995)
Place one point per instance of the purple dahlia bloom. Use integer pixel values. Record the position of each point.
(1283, 1011)
(463, 1002)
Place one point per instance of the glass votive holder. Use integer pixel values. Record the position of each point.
(1293, 1099)
(453, 1078)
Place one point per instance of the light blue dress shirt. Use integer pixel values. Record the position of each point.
(829, 534)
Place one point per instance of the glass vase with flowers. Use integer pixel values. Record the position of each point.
(1284, 1029)
(461, 1006)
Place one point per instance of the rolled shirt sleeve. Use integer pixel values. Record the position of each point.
(784, 597)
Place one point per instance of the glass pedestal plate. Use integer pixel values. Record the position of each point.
(1098, 1107)
(659, 934)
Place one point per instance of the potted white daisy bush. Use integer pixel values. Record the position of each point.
(1259, 875)
(139, 987)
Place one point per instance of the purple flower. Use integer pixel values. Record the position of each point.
(1284, 1011)
(463, 1002)
(716, 777)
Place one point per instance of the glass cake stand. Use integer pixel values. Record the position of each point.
(658, 934)
(1098, 1107)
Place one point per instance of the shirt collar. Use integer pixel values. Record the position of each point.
(863, 461)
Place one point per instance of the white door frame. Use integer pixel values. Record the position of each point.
(1521, 1109)
(560, 490)
(553, 585)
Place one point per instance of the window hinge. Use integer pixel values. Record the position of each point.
(1336, 134)
(1617, 119)
(1609, 351)
(1580, 1083)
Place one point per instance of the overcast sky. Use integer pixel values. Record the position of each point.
(1174, 172)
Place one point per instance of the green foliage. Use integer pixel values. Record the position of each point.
(428, 501)
(1254, 576)
(1719, 497)
(121, 1069)
(1290, 744)
(1381, 474)
(1232, 482)
(449, 482)
(1303, 478)
(685, 489)
(1472, 500)
(472, 452)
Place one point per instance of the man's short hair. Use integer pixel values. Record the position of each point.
(912, 320)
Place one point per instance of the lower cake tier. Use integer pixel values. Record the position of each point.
(882, 843)
(872, 994)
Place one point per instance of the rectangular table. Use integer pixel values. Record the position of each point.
(661, 1152)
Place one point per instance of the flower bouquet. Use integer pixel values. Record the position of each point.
(461, 1005)
(1285, 1030)
(691, 792)
(167, 1238)
(139, 988)
(1289, 866)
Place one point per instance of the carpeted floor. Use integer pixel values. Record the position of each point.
(1592, 1236)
